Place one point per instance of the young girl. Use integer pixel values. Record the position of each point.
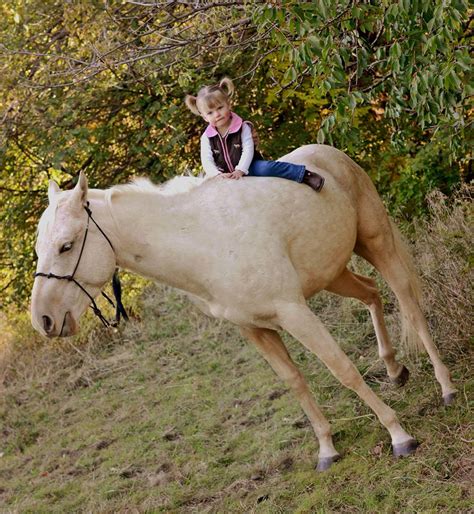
(227, 145)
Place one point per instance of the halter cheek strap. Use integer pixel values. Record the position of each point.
(120, 309)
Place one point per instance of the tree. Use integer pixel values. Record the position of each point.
(99, 86)
(408, 60)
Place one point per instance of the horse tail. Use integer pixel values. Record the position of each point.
(409, 335)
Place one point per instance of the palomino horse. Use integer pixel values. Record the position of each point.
(249, 251)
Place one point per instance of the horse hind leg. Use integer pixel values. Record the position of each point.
(271, 347)
(388, 253)
(351, 285)
(297, 319)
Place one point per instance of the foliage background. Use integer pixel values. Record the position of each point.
(99, 85)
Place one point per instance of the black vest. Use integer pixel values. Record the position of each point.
(227, 151)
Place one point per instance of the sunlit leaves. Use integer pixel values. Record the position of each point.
(414, 51)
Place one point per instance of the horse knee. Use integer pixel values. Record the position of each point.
(296, 381)
(373, 301)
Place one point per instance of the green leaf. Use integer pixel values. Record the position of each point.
(320, 137)
(430, 24)
(395, 50)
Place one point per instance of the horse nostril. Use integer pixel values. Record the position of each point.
(48, 324)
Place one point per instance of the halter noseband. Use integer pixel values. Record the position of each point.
(120, 309)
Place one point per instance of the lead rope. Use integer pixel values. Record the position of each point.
(116, 286)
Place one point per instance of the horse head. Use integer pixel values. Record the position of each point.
(75, 260)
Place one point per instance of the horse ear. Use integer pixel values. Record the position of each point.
(53, 190)
(80, 191)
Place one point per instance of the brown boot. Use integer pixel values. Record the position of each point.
(313, 180)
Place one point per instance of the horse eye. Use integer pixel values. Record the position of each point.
(65, 247)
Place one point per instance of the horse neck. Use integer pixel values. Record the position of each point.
(145, 228)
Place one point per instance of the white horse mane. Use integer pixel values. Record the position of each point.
(177, 185)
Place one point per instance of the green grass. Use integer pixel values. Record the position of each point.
(177, 413)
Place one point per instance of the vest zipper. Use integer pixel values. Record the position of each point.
(226, 153)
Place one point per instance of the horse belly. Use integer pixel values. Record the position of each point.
(244, 289)
(244, 317)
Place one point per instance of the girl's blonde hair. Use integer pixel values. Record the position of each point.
(211, 96)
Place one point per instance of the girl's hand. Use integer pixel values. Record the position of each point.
(236, 174)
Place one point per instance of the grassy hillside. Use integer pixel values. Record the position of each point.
(177, 413)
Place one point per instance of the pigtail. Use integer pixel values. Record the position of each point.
(227, 86)
(224, 91)
(190, 102)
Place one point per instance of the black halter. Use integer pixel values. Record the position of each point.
(119, 309)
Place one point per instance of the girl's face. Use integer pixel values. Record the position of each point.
(218, 116)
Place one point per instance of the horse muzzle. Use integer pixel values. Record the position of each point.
(64, 327)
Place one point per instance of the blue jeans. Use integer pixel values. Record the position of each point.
(286, 170)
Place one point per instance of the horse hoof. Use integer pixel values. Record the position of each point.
(325, 463)
(402, 378)
(404, 449)
(449, 398)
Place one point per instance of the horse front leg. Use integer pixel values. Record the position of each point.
(271, 347)
(301, 323)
